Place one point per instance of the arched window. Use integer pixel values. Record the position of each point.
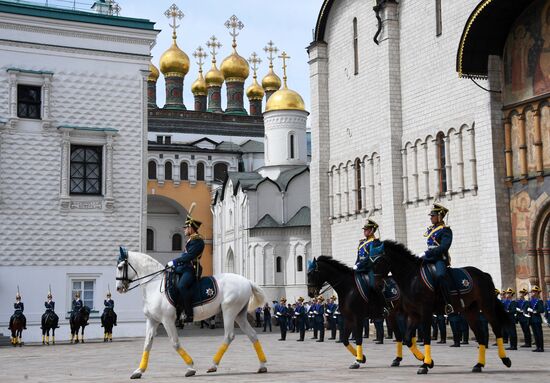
(291, 146)
(230, 266)
(278, 264)
(440, 147)
(176, 242)
(220, 172)
(200, 171)
(168, 171)
(300, 263)
(152, 170)
(184, 171)
(150, 239)
(355, 48)
(358, 192)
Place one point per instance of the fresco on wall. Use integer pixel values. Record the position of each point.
(527, 55)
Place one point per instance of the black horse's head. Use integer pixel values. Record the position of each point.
(396, 256)
(314, 282)
(322, 270)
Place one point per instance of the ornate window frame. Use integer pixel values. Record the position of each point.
(104, 137)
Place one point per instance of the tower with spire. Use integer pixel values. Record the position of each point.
(271, 82)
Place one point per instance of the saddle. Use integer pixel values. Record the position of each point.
(390, 291)
(459, 280)
(204, 290)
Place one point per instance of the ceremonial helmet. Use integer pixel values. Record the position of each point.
(334, 297)
(18, 296)
(49, 295)
(536, 289)
(300, 299)
(190, 221)
(77, 294)
(283, 299)
(510, 291)
(108, 293)
(439, 210)
(497, 291)
(320, 298)
(523, 291)
(370, 224)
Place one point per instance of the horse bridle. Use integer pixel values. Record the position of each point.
(326, 285)
(128, 281)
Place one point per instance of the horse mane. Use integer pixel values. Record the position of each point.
(393, 248)
(148, 262)
(339, 266)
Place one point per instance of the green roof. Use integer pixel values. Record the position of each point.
(37, 10)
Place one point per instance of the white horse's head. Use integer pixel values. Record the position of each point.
(125, 272)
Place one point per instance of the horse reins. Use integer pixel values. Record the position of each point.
(125, 278)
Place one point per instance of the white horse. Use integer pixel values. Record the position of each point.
(236, 296)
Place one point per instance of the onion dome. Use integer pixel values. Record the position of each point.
(214, 77)
(154, 73)
(285, 99)
(199, 86)
(174, 62)
(235, 67)
(271, 81)
(255, 91)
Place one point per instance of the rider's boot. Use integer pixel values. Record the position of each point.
(25, 324)
(444, 288)
(188, 307)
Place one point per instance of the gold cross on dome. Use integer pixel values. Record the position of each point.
(270, 49)
(235, 24)
(200, 55)
(285, 57)
(214, 44)
(254, 61)
(174, 13)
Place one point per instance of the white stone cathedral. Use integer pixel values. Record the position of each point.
(262, 217)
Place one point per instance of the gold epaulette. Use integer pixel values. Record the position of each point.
(196, 236)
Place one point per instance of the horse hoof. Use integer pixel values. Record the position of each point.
(212, 369)
(507, 362)
(262, 370)
(396, 362)
(43, 342)
(190, 372)
(477, 368)
(136, 375)
(423, 370)
(354, 366)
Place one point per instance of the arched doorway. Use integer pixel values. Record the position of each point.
(230, 262)
(540, 252)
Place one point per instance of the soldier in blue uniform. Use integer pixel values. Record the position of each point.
(455, 321)
(19, 307)
(187, 265)
(319, 318)
(521, 307)
(49, 304)
(267, 317)
(109, 306)
(547, 315)
(281, 312)
(331, 309)
(339, 324)
(535, 310)
(379, 328)
(311, 317)
(439, 238)
(442, 327)
(300, 315)
(76, 304)
(510, 306)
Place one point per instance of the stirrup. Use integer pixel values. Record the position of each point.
(449, 309)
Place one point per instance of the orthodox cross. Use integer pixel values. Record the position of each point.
(235, 24)
(200, 55)
(270, 49)
(214, 44)
(254, 61)
(285, 57)
(174, 13)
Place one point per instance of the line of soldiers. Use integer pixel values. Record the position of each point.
(49, 304)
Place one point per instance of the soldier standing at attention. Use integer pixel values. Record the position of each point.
(320, 318)
(331, 309)
(510, 308)
(536, 309)
(300, 315)
(521, 306)
(547, 315)
(311, 317)
(281, 312)
(267, 317)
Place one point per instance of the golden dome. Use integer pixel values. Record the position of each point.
(214, 77)
(154, 75)
(199, 86)
(271, 81)
(285, 99)
(255, 91)
(235, 68)
(174, 62)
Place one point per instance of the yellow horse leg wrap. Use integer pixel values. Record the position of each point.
(400, 350)
(43, 338)
(111, 336)
(53, 338)
(359, 356)
(501, 352)
(144, 361)
(185, 356)
(481, 356)
(221, 351)
(428, 354)
(416, 352)
(260, 352)
(47, 339)
(351, 349)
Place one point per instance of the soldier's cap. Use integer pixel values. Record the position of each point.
(283, 299)
(49, 295)
(536, 289)
(523, 291)
(190, 221)
(109, 294)
(77, 294)
(17, 296)
(370, 224)
(438, 209)
(321, 298)
(497, 291)
(510, 290)
(334, 297)
(300, 299)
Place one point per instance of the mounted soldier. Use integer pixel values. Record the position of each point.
(19, 308)
(188, 265)
(439, 238)
(76, 305)
(49, 304)
(109, 309)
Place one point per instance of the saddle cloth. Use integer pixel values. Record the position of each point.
(205, 290)
(460, 281)
(391, 291)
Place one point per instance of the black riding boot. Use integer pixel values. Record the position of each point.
(444, 288)
(188, 308)
(24, 323)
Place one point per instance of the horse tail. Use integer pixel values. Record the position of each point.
(258, 297)
(500, 313)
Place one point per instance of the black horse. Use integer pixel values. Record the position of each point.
(78, 320)
(107, 322)
(420, 301)
(17, 329)
(49, 322)
(353, 306)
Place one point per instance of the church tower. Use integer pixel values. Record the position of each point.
(285, 130)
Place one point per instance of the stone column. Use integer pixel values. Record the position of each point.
(473, 159)
(522, 147)
(415, 173)
(538, 142)
(330, 196)
(426, 173)
(448, 167)
(405, 176)
(508, 149)
(460, 163)
(363, 188)
(437, 171)
(372, 202)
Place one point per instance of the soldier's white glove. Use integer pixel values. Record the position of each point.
(530, 310)
(170, 264)
(315, 312)
(354, 267)
(421, 255)
(518, 310)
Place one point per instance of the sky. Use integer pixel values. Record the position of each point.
(288, 23)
